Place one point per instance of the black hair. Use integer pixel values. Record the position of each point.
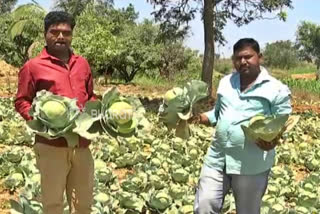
(246, 42)
(56, 17)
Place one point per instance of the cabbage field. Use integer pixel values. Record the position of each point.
(157, 172)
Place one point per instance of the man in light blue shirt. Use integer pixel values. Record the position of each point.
(233, 160)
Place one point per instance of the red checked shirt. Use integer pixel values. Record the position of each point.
(46, 72)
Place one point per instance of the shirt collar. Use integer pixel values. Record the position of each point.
(262, 77)
(45, 55)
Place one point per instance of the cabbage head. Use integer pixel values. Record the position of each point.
(115, 115)
(13, 181)
(121, 112)
(55, 113)
(180, 175)
(177, 106)
(266, 128)
(54, 117)
(172, 94)
(160, 200)
(130, 201)
(101, 198)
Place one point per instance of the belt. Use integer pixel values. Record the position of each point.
(61, 141)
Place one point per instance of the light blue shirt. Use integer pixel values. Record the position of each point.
(230, 149)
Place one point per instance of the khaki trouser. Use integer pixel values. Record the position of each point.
(67, 169)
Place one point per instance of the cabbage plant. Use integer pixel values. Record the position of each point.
(160, 200)
(266, 128)
(177, 106)
(114, 114)
(54, 116)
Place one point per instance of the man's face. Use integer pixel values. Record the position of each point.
(246, 61)
(59, 37)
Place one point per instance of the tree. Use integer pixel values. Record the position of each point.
(75, 7)
(175, 16)
(7, 5)
(8, 50)
(308, 42)
(26, 28)
(281, 54)
(94, 40)
(138, 51)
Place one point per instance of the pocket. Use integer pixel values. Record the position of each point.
(236, 136)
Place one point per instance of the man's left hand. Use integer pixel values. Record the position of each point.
(264, 145)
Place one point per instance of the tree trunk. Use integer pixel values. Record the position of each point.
(208, 58)
(318, 72)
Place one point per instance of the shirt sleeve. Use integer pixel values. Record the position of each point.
(214, 113)
(91, 95)
(25, 93)
(282, 102)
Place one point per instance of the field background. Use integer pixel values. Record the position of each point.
(294, 181)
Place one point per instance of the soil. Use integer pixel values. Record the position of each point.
(5, 196)
(8, 79)
(311, 76)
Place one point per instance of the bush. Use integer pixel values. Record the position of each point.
(281, 54)
(223, 66)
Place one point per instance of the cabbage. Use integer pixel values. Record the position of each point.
(55, 112)
(156, 182)
(115, 115)
(186, 209)
(54, 117)
(180, 175)
(266, 128)
(135, 183)
(160, 200)
(177, 106)
(121, 112)
(171, 94)
(177, 191)
(101, 198)
(13, 181)
(130, 201)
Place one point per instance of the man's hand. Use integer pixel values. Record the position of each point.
(199, 119)
(268, 145)
(265, 145)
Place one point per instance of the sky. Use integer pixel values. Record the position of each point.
(264, 31)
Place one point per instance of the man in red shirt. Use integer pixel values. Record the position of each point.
(58, 70)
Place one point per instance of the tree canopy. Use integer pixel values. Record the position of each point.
(308, 42)
(7, 5)
(174, 16)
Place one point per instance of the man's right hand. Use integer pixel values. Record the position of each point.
(200, 119)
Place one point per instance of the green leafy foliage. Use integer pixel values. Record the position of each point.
(308, 41)
(137, 50)
(7, 5)
(158, 162)
(26, 28)
(178, 103)
(8, 50)
(281, 54)
(92, 25)
(76, 7)
(54, 116)
(115, 115)
(266, 128)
